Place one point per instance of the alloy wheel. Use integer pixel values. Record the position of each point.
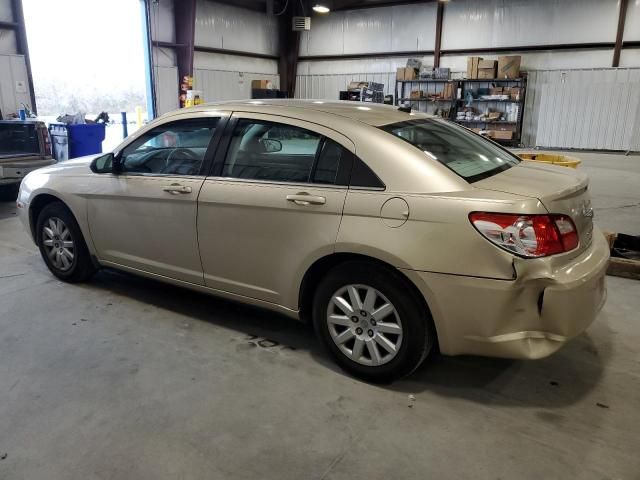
(58, 244)
(364, 325)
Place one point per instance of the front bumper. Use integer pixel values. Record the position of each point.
(529, 317)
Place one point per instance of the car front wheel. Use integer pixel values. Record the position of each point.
(370, 322)
(61, 244)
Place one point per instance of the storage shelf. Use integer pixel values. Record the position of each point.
(504, 122)
(423, 99)
(427, 80)
(491, 80)
(496, 101)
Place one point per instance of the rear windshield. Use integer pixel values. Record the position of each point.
(18, 138)
(465, 153)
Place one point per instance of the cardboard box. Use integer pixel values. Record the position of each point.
(494, 115)
(406, 73)
(509, 66)
(498, 91)
(416, 94)
(472, 67)
(501, 134)
(514, 93)
(261, 84)
(449, 91)
(487, 69)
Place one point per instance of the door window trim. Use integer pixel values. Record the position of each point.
(217, 165)
(209, 155)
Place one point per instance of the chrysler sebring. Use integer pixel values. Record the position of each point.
(393, 232)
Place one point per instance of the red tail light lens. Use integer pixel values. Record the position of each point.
(527, 235)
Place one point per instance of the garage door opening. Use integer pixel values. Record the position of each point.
(87, 57)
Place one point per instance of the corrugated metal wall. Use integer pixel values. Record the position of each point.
(228, 85)
(583, 109)
(13, 69)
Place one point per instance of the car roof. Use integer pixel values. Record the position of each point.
(374, 114)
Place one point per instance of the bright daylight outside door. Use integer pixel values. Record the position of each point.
(87, 56)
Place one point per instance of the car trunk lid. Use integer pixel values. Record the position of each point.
(560, 189)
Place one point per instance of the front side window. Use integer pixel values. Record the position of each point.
(271, 151)
(468, 155)
(176, 148)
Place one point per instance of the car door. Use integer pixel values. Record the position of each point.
(144, 217)
(272, 206)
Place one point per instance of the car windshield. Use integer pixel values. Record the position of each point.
(465, 153)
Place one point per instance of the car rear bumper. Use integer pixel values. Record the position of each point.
(15, 171)
(529, 317)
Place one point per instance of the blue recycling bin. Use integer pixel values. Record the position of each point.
(85, 139)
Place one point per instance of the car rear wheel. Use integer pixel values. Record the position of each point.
(62, 245)
(371, 323)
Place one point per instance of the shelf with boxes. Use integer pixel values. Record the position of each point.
(489, 101)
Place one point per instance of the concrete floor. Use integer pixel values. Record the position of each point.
(126, 378)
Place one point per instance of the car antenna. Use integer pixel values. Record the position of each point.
(404, 109)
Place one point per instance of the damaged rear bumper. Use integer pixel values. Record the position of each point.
(529, 317)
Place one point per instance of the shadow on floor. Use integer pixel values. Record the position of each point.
(557, 381)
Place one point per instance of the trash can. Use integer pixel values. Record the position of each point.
(72, 141)
(59, 141)
(85, 139)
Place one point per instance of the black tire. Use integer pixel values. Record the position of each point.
(418, 333)
(81, 267)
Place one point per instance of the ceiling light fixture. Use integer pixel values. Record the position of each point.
(320, 8)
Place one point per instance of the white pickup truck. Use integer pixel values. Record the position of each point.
(24, 146)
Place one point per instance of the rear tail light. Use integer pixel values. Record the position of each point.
(527, 235)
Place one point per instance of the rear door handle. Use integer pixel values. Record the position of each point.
(176, 189)
(306, 199)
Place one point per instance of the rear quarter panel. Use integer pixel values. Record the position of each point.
(437, 236)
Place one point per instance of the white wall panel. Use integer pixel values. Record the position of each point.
(583, 109)
(542, 60)
(386, 29)
(503, 23)
(225, 26)
(219, 85)
(166, 89)
(6, 13)
(630, 57)
(367, 30)
(326, 36)
(162, 23)
(369, 65)
(164, 57)
(632, 22)
(12, 69)
(219, 61)
(8, 43)
(413, 27)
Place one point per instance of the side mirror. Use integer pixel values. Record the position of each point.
(270, 145)
(104, 164)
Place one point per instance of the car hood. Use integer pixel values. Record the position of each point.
(76, 166)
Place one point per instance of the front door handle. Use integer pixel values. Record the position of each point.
(175, 189)
(306, 199)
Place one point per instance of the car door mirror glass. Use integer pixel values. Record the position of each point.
(270, 145)
(103, 164)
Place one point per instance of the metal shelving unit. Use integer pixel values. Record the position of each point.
(436, 86)
(431, 86)
(474, 84)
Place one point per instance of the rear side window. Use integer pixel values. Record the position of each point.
(326, 168)
(272, 151)
(468, 155)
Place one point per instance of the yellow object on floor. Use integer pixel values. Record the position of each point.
(560, 160)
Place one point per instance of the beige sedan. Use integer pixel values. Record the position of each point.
(393, 232)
